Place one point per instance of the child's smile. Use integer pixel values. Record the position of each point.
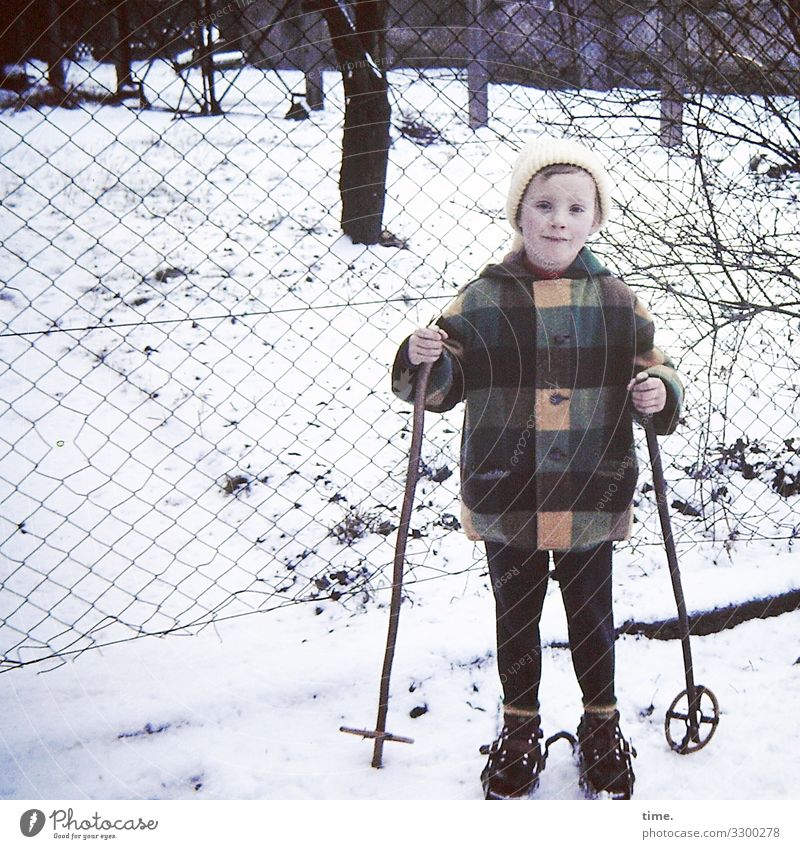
(557, 214)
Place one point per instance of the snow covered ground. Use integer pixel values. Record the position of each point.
(251, 708)
(192, 251)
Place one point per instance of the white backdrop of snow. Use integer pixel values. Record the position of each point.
(137, 222)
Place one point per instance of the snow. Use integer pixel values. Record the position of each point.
(224, 710)
(175, 263)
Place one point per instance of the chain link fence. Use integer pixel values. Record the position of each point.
(197, 420)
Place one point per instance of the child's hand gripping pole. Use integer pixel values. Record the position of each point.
(380, 734)
(693, 716)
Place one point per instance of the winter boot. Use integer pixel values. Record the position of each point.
(605, 755)
(515, 757)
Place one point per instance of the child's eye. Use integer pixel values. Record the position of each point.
(578, 209)
(542, 204)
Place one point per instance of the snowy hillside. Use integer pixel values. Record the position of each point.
(197, 426)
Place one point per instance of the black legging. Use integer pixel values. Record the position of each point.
(519, 581)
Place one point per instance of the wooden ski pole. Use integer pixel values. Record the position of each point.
(694, 716)
(380, 734)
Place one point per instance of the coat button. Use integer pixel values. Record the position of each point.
(556, 454)
(557, 398)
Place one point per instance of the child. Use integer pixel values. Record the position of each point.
(544, 348)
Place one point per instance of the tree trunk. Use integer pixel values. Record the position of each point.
(365, 141)
(371, 26)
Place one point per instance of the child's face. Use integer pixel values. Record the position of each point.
(557, 214)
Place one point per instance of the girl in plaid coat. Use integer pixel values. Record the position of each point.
(543, 348)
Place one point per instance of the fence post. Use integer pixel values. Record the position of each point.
(314, 61)
(672, 84)
(56, 63)
(122, 47)
(592, 55)
(205, 45)
(477, 75)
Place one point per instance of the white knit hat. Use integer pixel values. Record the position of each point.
(541, 152)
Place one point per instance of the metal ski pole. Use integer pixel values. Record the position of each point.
(380, 734)
(693, 715)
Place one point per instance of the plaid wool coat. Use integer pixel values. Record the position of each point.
(547, 451)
